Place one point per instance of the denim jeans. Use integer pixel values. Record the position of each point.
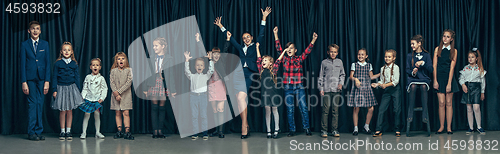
(292, 92)
(199, 104)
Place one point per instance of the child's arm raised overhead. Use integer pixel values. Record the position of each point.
(263, 23)
(218, 22)
(186, 65)
(259, 58)
(276, 64)
(309, 48)
(277, 40)
(210, 65)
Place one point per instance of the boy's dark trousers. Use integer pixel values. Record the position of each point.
(390, 93)
(330, 104)
(35, 106)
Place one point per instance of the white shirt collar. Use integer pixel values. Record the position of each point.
(249, 45)
(67, 61)
(448, 47)
(33, 41)
(362, 64)
(389, 66)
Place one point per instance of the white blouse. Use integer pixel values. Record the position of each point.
(472, 74)
(94, 88)
(385, 76)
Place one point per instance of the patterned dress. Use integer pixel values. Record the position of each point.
(362, 96)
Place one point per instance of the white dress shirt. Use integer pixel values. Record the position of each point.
(386, 77)
(199, 80)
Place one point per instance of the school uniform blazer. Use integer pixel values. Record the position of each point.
(251, 57)
(35, 65)
(168, 74)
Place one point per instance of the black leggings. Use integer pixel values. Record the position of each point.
(411, 105)
(157, 115)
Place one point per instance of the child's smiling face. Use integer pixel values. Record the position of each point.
(266, 63)
(34, 31)
(472, 58)
(121, 61)
(67, 51)
(158, 48)
(415, 45)
(216, 56)
(389, 58)
(95, 66)
(200, 66)
(362, 55)
(333, 52)
(247, 38)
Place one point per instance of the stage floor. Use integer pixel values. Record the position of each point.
(459, 142)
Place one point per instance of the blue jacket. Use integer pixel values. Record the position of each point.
(35, 65)
(251, 57)
(65, 74)
(423, 73)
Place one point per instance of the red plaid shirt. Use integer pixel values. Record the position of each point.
(293, 65)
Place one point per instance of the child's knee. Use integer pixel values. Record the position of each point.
(370, 109)
(125, 113)
(441, 104)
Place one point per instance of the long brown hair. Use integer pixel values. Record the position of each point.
(271, 60)
(479, 61)
(115, 65)
(452, 44)
(72, 52)
(420, 39)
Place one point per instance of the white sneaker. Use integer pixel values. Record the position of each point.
(99, 135)
(83, 136)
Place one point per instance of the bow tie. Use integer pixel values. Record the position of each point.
(158, 56)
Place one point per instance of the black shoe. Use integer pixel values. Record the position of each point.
(439, 132)
(269, 135)
(69, 136)
(221, 135)
(275, 135)
(154, 136)
(368, 132)
(450, 132)
(355, 133)
(118, 134)
(244, 136)
(291, 134)
(377, 134)
(62, 136)
(41, 137)
(161, 136)
(216, 133)
(33, 137)
(308, 132)
(128, 136)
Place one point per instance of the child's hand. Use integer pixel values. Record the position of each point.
(448, 88)
(145, 93)
(464, 88)
(415, 70)
(209, 55)
(482, 96)
(265, 13)
(100, 101)
(55, 94)
(26, 90)
(383, 86)
(173, 95)
(374, 85)
(187, 55)
(339, 87)
(419, 63)
(275, 30)
(358, 83)
(436, 85)
(228, 34)
(46, 88)
(322, 93)
(218, 22)
(118, 98)
(315, 37)
(115, 93)
(257, 45)
(197, 35)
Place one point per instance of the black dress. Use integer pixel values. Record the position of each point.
(443, 72)
(269, 92)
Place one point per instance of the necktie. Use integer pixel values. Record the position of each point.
(36, 46)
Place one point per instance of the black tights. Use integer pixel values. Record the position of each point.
(423, 93)
(157, 115)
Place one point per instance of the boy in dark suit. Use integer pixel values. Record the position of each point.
(35, 76)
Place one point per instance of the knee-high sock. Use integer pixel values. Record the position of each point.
(97, 119)
(86, 118)
(268, 118)
(477, 113)
(161, 117)
(470, 116)
(221, 121)
(154, 116)
(276, 118)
